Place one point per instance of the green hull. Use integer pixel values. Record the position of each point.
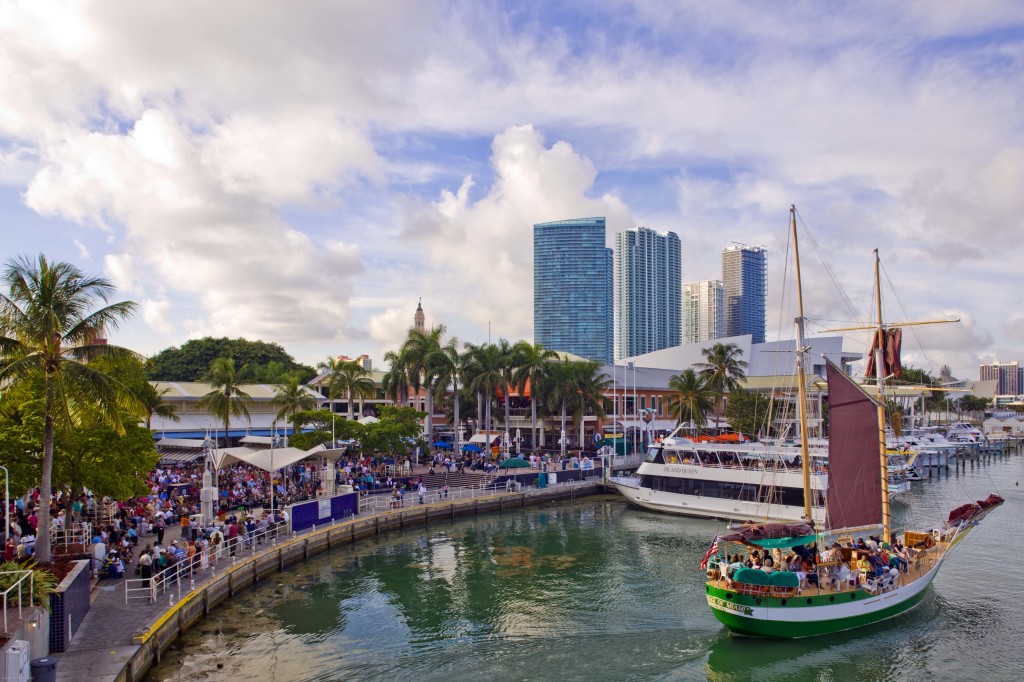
(783, 628)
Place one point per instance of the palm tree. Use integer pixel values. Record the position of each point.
(445, 367)
(352, 378)
(591, 386)
(507, 370)
(693, 398)
(418, 348)
(291, 397)
(227, 399)
(396, 380)
(48, 329)
(532, 361)
(153, 402)
(722, 372)
(560, 392)
(483, 377)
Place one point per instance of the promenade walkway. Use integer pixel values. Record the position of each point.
(101, 648)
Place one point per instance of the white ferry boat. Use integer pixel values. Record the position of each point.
(733, 482)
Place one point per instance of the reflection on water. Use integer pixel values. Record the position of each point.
(593, 590)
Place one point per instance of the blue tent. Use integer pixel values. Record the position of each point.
(471, 447)
(443, 445)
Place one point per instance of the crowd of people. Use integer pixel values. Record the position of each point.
(836, 566)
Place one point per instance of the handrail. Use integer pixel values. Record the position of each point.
(19, 585)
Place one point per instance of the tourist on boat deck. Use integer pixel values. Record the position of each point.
(769, 564)
(860, 544)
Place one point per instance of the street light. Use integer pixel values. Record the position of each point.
(273, 428)
(7, 503)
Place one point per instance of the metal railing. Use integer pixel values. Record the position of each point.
(78, 533)
(226, 553)
(19, 585)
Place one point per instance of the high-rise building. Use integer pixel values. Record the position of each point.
(648, 286)
(1008, 375)
(745, 276)
(572, 288)
(703, 311)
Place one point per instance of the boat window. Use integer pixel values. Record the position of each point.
(654, 455)
(793, 497)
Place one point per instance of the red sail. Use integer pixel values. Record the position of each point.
(854, 495)
(893, 342)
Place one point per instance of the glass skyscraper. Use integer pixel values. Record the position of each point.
(745, 276)
(648, 280)
(572, 288)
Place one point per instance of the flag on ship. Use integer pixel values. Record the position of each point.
(712, 550)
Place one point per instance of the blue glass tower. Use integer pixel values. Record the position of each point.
(648, 276)
(745, 276)
(572, 288)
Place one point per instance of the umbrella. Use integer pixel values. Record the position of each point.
(472, 447)
(515, 463)
(442, 444)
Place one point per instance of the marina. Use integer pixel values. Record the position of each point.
(597, 590)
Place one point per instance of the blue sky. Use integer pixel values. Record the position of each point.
(304, 173)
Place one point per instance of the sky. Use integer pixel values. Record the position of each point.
(304, 173)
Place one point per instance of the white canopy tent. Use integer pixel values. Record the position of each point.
(267, 459)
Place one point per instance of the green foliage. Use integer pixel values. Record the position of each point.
(43, 582)
(309, 439)
(747, 411)
(722, 370)
(395, 433)
(49, 322)
(267, 363)
(21, 441)
(320, 420)
(692, 400)
(97, 458)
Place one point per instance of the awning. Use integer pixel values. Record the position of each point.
(268, 459)
(181, 457)
(482, 438)
(181, 442)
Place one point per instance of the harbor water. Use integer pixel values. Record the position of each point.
(595, 590)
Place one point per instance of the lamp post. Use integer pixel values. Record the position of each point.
(273, 427)
(7, 503)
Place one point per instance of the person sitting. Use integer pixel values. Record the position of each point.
(769, 564)
(860, 545)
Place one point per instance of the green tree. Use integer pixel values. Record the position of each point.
(291, 397)
(445, 368)
(266, 362)
(393, 433)
(350, 378)
(591, 386)
(396, 380)
(48, 326)
(483, 377)
(748, 411)
(532, 361)
(108, 464)
(227, 399)
(722, 371)
(692, 401)
(418, 350)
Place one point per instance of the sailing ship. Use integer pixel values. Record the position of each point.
(845, 587)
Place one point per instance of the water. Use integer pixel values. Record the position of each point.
(593, 590)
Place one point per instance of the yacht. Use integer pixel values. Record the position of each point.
(729, 481)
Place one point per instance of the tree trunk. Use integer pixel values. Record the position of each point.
(563, 436)
(456, 445)
(43, 552)
(351, 398)
(533, 419)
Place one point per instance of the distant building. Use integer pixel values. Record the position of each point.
(745, 276)
(648, 283)
(703, 311)
(364, 361)
(572, 288)
(419, 319)
(1009, 378)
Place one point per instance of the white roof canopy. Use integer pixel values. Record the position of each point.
(268, 459)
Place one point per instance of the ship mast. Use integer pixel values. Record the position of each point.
(879, 380)
(801, 379)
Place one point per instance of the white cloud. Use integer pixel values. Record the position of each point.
(83, 252)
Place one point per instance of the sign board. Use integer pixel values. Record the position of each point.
(324, 508)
